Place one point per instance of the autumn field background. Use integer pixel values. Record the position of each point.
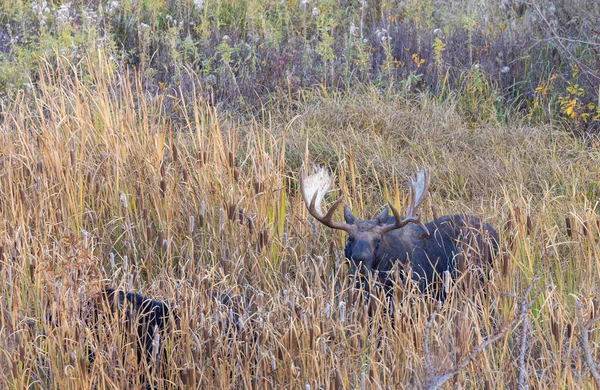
(155, 146)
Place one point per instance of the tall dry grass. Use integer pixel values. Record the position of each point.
(98, 186)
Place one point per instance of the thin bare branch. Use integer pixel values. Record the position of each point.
(523, 349)
(585, 342)
(588, 71)
(428, 364)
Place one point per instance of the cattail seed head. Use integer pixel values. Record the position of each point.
(191, 225)
(163, 187)
(175, 153)
(123, 199)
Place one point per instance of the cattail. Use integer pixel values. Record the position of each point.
(123, 199)
(447, 279)
(265, 237)
(342, 309)
(461, 262)
(175, 152)
(185, 175)
(163, 187)
(327, 311)
(236, 175)
(32, 270)
(25, 172)
(231, 159)
(585, 229)
(505, 264)
(155, 343)
(556, 331)
(221, 220)
(569, 226)
(202, 213)
(191, 225)
(529, 225)
(250, 225)
(231, 211)
(165, 245)
(258, 187)
(241, 215)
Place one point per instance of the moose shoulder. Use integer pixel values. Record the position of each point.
(375, 245)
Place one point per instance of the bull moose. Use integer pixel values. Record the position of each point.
(375, 245)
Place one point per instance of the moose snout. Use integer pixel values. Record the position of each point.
(361, 258)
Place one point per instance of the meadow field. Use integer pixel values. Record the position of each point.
(156, 147)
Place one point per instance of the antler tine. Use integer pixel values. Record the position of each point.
(417, 186)
(319, 182)
(327, 219)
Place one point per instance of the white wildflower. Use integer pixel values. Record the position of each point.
(315, 11)
(505, 69)
(225, 37)
(353, 29)
(62, 15)
(437, 31)
(112, 7)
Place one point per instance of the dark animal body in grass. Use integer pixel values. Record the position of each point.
(145, 319)
(376, 245)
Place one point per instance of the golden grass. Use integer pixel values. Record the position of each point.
(101, 184)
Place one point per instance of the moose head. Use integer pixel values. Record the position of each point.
(374, 245)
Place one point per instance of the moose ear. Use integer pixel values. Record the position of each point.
(348, 216)
(383, 216)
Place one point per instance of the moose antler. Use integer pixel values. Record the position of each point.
(418, 186)
(314, 187)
